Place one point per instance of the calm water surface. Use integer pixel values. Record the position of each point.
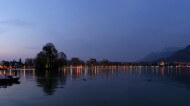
(99, 87)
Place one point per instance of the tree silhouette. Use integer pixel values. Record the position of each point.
(62, 59)
(47, 58)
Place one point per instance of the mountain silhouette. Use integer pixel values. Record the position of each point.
(166, 52)
(182, 55)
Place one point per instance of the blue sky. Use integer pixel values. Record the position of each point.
(119, 30)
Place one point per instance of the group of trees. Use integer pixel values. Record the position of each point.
(49, 58)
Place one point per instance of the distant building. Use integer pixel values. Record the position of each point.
(105, 62)
(92, 62)
(75, 61)
(29, 62)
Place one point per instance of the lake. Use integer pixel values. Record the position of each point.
(99, 87)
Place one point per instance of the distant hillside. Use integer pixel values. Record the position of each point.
(166, 52)
(181, 55)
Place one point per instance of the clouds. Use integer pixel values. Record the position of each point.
(13, 26)
(14, 22)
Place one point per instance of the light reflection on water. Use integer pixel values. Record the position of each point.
(96, 86)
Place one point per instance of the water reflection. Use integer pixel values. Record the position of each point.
(51, 80)
(176, 74)
(183, 76)
(7, 84)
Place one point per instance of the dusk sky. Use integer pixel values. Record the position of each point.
(118, 30)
